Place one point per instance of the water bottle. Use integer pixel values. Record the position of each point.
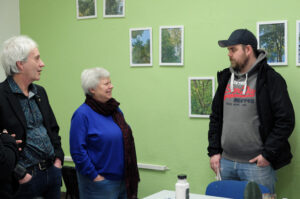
(182, 187)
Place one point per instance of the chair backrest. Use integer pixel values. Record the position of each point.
(230, 188)
(71, 183)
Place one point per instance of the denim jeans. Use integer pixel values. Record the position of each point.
(45, 184)
(231, 170)
(105, 189)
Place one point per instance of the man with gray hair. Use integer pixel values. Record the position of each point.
(25, 111)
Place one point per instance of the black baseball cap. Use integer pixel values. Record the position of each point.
(240, 36)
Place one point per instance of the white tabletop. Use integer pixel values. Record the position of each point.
(166, 194)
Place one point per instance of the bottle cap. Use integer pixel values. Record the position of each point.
(181, 176)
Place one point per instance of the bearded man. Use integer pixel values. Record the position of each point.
(252, 116)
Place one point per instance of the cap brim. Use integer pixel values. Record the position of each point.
(223, 43)
(226, 43)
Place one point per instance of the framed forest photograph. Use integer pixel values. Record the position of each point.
(171, 45)
(298, 43)
(86, 9)
(113, 8)
(201, 93)
(140, 46)
(272, 37)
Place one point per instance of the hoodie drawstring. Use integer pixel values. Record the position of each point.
(231, 82)
(245, 86)
(245, 83)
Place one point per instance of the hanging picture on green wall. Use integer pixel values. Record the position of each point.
(140, 46)
(171, 45)
(86, 9)
(201, 92)
(113, 8)
(298, 43)
(272, 37)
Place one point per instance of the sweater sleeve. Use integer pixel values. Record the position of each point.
(78, 146)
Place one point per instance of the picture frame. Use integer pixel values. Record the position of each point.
(86, 9)
(201, 93)
(272, 37)
(113, 8)
(171, 45)
(298, 43)
(140, 46)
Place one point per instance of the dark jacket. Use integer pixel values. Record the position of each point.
(275, 111)
(13, 119)
(8, 161)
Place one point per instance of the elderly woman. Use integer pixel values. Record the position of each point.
(101, 142)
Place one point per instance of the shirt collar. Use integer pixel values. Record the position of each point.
(16, 89)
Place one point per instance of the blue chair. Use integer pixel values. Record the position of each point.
(230, 188)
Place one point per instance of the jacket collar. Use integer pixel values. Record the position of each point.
(14, 103)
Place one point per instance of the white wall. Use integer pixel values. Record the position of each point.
(9, 23)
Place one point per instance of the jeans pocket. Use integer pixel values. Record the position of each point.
(32, 173)
(100, 181)
(57, 167)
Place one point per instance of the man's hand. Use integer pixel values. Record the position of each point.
(27, 178)
(260, 161)
(215, 162)
(57, 163)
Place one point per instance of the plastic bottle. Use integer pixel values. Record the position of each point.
(182, 187)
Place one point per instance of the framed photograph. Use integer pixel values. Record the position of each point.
(298, 43)
(171, 45)
(272, 37)
(140, 46)
(86, 9)
(201, 93)
(113, 8)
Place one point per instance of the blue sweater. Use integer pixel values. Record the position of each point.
(96, 144)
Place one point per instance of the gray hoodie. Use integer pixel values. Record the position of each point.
(241, 140)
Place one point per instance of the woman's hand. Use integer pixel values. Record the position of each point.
(99, 178)
(14, 136)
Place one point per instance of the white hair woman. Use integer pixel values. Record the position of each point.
(101, 142)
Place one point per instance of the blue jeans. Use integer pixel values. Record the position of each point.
(105, 189)
(231, 170)
(44, 184)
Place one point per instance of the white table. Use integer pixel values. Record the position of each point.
(166, 194)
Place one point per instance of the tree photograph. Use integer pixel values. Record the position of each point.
(201, 93)
(140, 46)
(272, 39)
(298, 44)
(171, 46)
(86, 9)
(114, 7)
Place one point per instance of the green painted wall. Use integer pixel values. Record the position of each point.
(155, 99)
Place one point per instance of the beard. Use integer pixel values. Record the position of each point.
(238, 65)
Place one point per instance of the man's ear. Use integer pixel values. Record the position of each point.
(19, 65)
(249, 50)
